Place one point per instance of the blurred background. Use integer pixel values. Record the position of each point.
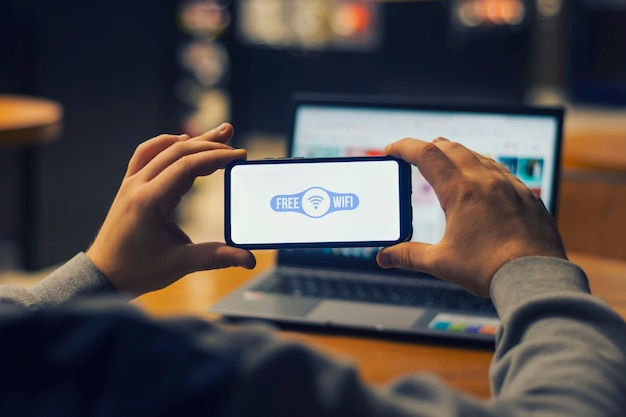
(125, 71)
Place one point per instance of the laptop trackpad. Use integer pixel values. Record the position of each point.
(365, 314)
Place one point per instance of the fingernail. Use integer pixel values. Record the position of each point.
(388, 148)
(440, 139)
(383, 259)
(222, 128)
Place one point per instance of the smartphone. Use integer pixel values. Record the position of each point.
(318, 202)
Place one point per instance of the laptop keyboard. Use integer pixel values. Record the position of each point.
(404, 294)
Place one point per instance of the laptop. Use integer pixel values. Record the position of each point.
(343, 287)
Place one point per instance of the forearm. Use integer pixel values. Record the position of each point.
(78, 278)
(560, 351)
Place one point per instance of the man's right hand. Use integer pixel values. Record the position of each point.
(140, 247)
(491, 217)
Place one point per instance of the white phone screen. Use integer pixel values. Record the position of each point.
(283, 203)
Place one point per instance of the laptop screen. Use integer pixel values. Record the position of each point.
(526, 140)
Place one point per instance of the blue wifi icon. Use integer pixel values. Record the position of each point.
(316, 200)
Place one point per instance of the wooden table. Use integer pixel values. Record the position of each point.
(592, 194)
(595, 138)
(26, 121)
(25, 124)
(379, 359)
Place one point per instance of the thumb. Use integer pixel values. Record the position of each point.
(214, 255)
(408, 255)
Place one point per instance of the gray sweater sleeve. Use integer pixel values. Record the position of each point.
(76, 279)
(560, 351)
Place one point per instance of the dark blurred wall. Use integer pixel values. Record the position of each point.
(419, 56)
(596, 52)
(107, 63)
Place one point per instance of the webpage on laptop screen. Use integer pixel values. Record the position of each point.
(525, 144)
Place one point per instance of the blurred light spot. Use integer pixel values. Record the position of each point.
(468, 16)
(513, 12)
(204, 17)
(549, 8)
(212, 109)
(208, 61)
(351, 19)
(264, 21)
(309, 21)
(311, 25)
(472, 13)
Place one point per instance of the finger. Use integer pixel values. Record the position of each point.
(431, 161)
(408, 255)
(178, 177)
(460, 156)
(491, 163)
(146, 151)
(497, 169)
(175, 153)
(521, 188)
(215, 255)
(222, 134)
(475, 165)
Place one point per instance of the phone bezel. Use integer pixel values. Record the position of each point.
(404, 196)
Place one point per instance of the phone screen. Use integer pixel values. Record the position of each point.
(319, 202)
